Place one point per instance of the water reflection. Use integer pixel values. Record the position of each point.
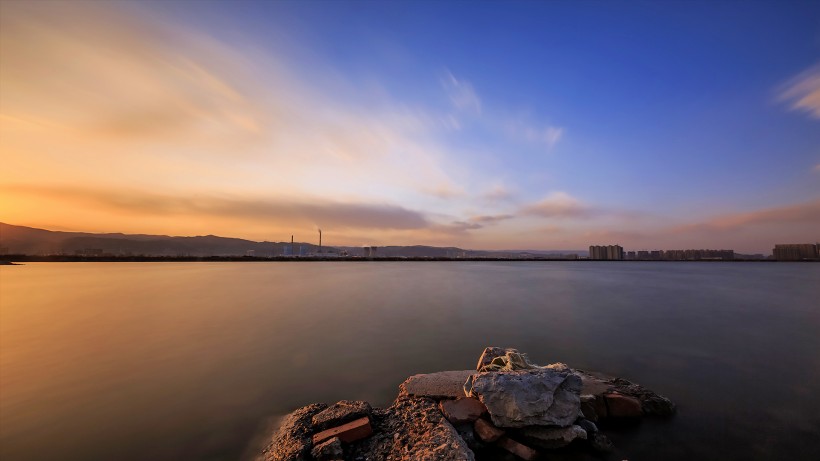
(189, 360)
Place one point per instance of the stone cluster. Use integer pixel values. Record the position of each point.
(506, 403)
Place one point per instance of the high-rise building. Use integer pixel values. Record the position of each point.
(606, 252)
(796, 251)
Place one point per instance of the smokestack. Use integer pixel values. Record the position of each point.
(320, 240)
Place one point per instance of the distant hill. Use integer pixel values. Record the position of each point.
(32, 241)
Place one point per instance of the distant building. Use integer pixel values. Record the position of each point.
(250, 253)
(89, 252)
(796, 251)
(606, 252)
(684, 255)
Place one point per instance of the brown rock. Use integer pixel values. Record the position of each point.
(328, 450)
(291, 442)
(599, 384)
(522, 451)
(622, 406)
(441, 385)
(462, 410)
(350, 432)
(486, 432)
(340, 413)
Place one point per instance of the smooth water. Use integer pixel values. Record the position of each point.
(176, 361)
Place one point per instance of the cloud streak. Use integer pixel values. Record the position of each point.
(558, 205)
(803, 92)
(461, 94)
(283, 211)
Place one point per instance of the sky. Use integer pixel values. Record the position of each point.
(482, 125)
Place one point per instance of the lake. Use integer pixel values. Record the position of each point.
(177, 361)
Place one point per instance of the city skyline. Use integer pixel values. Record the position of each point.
(488, 126)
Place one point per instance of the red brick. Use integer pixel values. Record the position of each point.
(462, 410)
(350, 432)
(622, 406)
(522, 451)
(486, 431)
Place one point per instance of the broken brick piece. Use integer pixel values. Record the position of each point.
(522, 451)
(486, 431)
(622, 406)
(350, 432)
(462, 410)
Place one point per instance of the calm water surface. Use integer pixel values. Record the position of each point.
(176, 361)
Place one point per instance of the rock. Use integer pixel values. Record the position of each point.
(486, 432)
(600, 442)
(587, 425)
(340, 413)
(559, 366)
(489, 354)
(467, 433)
(328, 450)
(651, 403)
(511, 360)
(441, 385)
(539, 397)
(590, 408)
(462, 410)
(522, 451)
(291, 442)
(622, 406)
(350, 432)
(551, 437)
(412, 429)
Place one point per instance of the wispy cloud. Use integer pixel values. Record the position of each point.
(490, 219)
(807, 214)
(803, 92)
(461, 94)
(498, 193)
(283, 211)
(558, 205)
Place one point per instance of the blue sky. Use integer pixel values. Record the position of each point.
(477, 124)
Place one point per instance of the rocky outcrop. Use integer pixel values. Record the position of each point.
(510, 404)
(292, 441)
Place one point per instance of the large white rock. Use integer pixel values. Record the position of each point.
(537, 397)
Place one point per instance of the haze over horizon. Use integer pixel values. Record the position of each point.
(486, 125)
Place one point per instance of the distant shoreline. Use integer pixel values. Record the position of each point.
(70, 258)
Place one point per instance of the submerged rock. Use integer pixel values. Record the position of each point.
(538, 397)
(602, 394)
(551, 437)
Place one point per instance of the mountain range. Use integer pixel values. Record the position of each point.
(33, 241)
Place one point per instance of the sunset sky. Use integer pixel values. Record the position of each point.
(484, 125)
